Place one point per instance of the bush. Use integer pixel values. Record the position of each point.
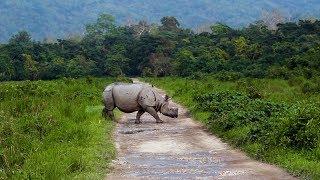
(266, 122)
(278, 72)
(311, 86)
(246, 85)
(124, 79)
(147, 72)
(228, 76)
(197, 76)
(296, 81)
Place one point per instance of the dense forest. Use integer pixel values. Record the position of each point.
(290, 50)
(56, 18)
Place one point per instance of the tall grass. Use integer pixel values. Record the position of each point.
(272, 120)
(54, 130)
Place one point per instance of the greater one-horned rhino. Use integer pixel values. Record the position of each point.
(129, 98)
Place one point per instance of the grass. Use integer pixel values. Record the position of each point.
(271, 120)
(54, 130)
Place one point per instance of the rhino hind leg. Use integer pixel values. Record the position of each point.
(108, 113)
(153, 113)
(111, 115)
(104, 112)
(108, 103)
(139, 114)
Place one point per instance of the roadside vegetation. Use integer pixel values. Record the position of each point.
(54, 130)
(270, 119)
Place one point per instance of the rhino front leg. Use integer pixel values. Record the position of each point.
(139, 114)
(154, 113)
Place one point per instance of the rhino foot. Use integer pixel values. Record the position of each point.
(137, 122)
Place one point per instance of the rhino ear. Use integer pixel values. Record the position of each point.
(166, 98)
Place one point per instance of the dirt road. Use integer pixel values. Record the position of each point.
(180, 149)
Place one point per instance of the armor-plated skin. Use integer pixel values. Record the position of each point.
(129, 98)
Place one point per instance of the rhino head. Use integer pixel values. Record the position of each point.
(168, 110)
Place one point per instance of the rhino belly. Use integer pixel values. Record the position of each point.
(126, 98)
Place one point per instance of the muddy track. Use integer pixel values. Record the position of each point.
(180, 149)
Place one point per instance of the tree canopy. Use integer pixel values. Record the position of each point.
(106, 49)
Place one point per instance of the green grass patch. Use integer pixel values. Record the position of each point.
(54, 130)
(272, 120)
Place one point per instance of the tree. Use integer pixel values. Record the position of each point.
(258, 32)
(19, 45)
(160, 64)
(30, 67)
(22, 37)
(116, 65)
(170, 23)
(241, 46)
(80, 66)
(185, 63)
(54, 69)
(6, 67)
(272, 18)
(220, 29)
(140, 51)
(104, 25)
(141, 28)
(100, 39)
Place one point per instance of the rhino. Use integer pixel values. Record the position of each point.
(130, 98)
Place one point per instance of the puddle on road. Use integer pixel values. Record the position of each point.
(134, 131)
(200, 164)
(164, 146)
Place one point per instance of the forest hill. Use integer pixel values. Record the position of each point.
(292, 50)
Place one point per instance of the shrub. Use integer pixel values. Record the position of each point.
(247, 86)
(124, 79)
(311, 86)
(266, 122)
(278, 72)
(197, 76)
(147, 72)
(228, 76)
(296, 81)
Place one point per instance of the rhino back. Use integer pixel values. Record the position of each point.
(125, 97)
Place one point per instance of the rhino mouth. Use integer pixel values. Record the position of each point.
(172, 114)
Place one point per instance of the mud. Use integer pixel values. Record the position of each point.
(180, 149)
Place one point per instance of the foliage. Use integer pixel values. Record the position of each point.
(291, 50)
(54, 129)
